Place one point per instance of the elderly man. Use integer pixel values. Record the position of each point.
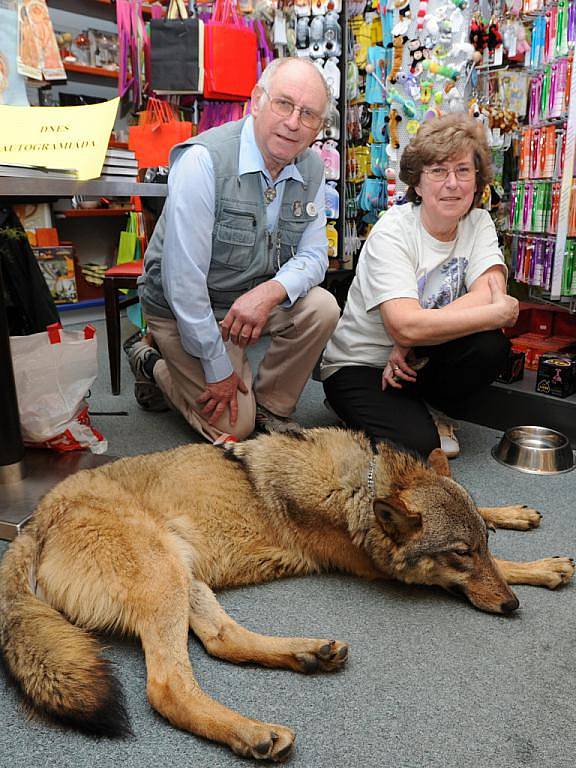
(239, 252)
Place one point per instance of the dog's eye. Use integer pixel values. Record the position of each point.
(462, 551)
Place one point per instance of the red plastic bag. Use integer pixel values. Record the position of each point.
(230, 55)
(159, 130)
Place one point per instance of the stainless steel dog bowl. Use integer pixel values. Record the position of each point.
(538, 450)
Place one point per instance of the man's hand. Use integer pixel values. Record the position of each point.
(249, 314)
(221, 395)
(397, 368)
(506, 307)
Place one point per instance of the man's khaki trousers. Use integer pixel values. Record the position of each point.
(298, 336)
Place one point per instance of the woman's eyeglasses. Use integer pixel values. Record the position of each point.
(441, 173)
(285, 107)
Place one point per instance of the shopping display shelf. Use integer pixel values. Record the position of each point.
(79, 213)
(508, 405)
(102, 9)
(11, 187)
(84, 69)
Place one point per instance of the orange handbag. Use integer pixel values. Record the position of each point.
(230, 54)
(158, 131)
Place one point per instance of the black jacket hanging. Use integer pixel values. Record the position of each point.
(29, 305)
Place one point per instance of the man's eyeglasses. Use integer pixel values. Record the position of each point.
(285, 107)
(441, 173)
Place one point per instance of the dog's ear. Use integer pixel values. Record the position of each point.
(438, 461)
(396, 519)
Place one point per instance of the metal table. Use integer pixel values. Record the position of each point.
(26, 475)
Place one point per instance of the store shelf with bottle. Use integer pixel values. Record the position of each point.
(540, 193)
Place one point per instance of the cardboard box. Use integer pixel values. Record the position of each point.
(514, 368)
(556, 375)
(57, 265)
(543, 320)
(533, 345)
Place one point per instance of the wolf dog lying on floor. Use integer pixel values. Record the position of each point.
(138, 545)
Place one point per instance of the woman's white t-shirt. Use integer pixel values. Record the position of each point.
(401, 260)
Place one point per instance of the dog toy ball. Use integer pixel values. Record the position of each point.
(431, 113)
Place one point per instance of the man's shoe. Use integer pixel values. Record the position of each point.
(131, 340)
(142, 359)
(448, 440)
(266, 421)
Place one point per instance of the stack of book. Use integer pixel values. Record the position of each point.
(37, 172)
(120, 165)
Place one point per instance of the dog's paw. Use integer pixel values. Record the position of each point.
(523, 518)
(517, 517)
(556, 571)
(326, 657)
(267, 742)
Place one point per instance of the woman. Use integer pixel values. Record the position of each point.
(422, 321)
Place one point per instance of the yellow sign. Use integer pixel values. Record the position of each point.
(74, 138)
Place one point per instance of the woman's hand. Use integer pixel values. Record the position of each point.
(506, 307)
(397, 368)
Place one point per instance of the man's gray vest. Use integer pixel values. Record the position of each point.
(243, 254)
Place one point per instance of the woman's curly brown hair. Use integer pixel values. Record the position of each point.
(445, 138)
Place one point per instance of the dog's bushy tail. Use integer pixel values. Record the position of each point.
(57, 666)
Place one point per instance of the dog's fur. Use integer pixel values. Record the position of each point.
(138, 545)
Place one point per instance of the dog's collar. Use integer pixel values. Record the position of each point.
(370, 477)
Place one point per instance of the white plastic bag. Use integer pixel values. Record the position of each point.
(54, 371)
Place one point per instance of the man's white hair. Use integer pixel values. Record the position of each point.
(267, 77)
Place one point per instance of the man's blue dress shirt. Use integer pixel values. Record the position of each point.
(188, 247)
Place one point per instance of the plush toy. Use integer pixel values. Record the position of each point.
(474, 110)
(409, 84)
(408, 106)
(430, 30)
(442, 70)
(481, 116)
(417, 54)
(393, 119)
(494, 36)
(453, 99)
(504, 119)
(398, 48)
(478, 34)
(425, 91)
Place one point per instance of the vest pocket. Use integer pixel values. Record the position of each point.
(234, 245)
(235, 236)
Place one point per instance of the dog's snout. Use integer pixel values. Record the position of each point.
(509, 606)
